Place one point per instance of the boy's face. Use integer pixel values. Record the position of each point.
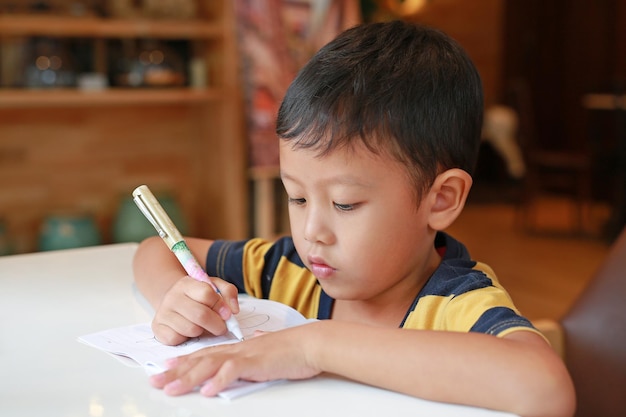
(355, 223)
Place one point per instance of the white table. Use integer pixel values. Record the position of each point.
(49, 299)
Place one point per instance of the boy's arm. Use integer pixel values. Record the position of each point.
(518, 373)
(184, 307)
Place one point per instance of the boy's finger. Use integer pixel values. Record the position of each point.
(229, 294)
(166, 335)
(225, 375)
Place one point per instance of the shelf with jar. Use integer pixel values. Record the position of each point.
(87, 54)
(106, 27)
(93, 105)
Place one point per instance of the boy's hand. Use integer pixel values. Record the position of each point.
(269, 356)
(191, 307)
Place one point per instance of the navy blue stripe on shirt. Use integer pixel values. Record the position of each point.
(449, 281)
(326, 306)
(497, 319)
(226, 266)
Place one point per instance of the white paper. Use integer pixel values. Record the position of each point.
(137, 342)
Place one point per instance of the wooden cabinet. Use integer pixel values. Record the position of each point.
(71, 149)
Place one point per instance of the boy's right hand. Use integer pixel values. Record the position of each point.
(189, 308)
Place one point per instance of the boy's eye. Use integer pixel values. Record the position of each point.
(296, 201)
(344, 207)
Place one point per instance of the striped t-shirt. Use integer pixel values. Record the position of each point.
(461, 295)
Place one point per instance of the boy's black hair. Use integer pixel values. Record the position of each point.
(398, 87)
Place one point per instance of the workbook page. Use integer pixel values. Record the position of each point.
(137, 342)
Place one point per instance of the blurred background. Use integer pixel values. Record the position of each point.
(100, 96)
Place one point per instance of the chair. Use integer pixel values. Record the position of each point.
(550, 171)
(591, 338)
(558, 172)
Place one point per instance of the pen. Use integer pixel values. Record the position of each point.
(150, 207)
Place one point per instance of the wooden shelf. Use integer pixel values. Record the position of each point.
(600, 101)
(71, 148)
(93, 27)
(23, 98)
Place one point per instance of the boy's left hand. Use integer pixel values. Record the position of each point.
(269, 356)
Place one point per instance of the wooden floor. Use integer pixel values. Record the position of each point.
(543, 274)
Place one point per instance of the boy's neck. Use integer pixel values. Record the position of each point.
(387, 310)
(362, 312)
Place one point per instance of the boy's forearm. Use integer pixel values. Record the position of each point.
(155, 269)
(520, 376)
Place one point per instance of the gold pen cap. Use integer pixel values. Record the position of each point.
(151, 208)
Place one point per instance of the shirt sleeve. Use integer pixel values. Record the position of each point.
(466, 300)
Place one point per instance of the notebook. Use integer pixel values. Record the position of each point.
(135, 345)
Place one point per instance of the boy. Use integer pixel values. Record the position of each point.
(378, 135)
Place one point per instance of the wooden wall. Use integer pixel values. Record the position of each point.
(562, 50)
(94, 157)
(57, 160)
(478, 25)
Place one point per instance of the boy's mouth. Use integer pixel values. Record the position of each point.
(319, 268)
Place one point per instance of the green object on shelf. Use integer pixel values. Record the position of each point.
(66, 231)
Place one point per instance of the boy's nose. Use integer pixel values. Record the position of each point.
(316, 228)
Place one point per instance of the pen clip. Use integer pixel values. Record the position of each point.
(152, 210)
(146, 212)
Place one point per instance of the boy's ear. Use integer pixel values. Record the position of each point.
(447, 197)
